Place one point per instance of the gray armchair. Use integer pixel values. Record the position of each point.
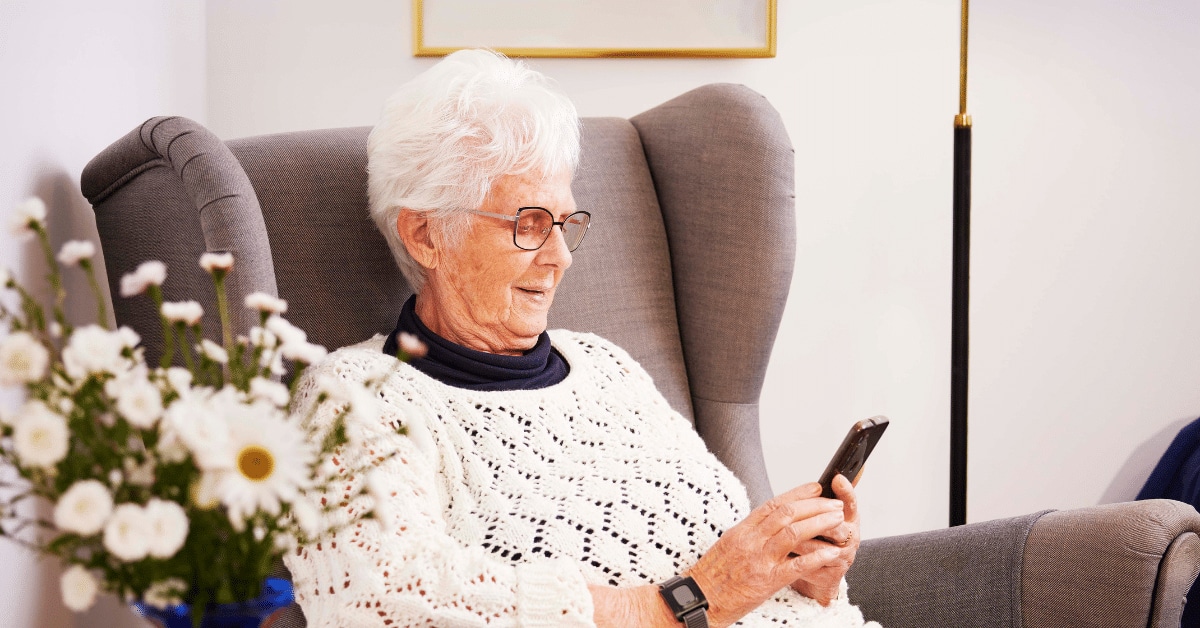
(666, 273)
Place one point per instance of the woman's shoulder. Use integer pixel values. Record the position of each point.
(367, 355)
(585, 348)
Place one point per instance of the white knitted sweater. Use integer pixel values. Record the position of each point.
(502, 506)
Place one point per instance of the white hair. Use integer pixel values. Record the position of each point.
(448, 134)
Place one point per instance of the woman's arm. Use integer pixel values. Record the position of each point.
(749, 563)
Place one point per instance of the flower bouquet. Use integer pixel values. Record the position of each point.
(167, 485)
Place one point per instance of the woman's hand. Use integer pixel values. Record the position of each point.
(823, 584)
(754, 559)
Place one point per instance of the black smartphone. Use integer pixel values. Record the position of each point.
(852, 455)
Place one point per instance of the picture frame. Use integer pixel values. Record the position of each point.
(597, 28)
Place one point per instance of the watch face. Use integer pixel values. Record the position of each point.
(683, 595)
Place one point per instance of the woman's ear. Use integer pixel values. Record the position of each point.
(416, 234)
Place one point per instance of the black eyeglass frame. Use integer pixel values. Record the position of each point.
(515, 219)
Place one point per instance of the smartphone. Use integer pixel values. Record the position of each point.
(852, 455)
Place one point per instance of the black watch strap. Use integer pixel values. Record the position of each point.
(696, 619)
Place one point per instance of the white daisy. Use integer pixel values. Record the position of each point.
(262, 338)
(216, 261)
(411, 345)
(40, 437)
(286, 332)
(127, 533)
(305, 352)
(272, 459)
(140, 474)
(79, 588)
(180, 379)
(197, 425)
(213, 351)
(307, 517)
(91, 350)
(188, 312)
(152, 273)
(270, 391)
(22, 359)
(168, 525)
(30, 213)
(203, 492)
(165, 593)
(84, 508)
(140, 402)
(264, 302)
(74, 251)
(129, 338)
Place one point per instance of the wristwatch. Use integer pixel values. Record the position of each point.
(686, 600)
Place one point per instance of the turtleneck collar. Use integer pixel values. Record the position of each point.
(462, 367)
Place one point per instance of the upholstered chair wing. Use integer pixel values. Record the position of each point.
(678, 269)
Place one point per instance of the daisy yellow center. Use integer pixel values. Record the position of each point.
(18, 362)
(256, 463)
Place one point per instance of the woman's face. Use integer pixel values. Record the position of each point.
(487, 294)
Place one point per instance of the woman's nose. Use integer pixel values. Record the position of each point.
(554, 251)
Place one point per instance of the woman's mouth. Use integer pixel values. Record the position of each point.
(532, 291)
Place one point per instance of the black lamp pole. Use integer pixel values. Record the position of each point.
(960, 341)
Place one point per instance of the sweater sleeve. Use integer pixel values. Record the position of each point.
(402, 568)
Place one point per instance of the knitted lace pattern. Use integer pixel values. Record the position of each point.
(497, 508)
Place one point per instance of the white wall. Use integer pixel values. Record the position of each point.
(1085, 305)
(76, 76)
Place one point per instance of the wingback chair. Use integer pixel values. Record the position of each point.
(673, 272)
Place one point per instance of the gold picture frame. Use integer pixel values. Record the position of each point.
(433, 40)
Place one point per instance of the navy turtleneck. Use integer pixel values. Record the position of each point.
(461, 367)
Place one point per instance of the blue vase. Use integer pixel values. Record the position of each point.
(276, 594)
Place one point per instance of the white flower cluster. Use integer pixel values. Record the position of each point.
(139, 448)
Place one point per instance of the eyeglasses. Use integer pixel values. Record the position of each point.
(532, 227)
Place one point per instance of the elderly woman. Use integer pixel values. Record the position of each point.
(541, 479)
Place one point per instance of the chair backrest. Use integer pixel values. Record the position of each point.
(687, 265)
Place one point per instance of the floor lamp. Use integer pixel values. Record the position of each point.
(960, 301)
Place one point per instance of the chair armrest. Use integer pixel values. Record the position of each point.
(1117, 565)
(170, 190)
(963, 576)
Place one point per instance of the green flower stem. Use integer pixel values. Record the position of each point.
(156, 295)
(101, 308)
(55, 276)
(185, 346)
(35, 318)
(223, 308)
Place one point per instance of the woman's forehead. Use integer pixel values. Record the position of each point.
(532, 189)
